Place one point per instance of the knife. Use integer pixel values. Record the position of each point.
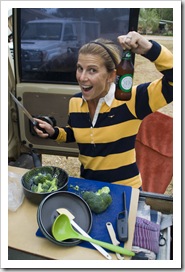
(24, 110)
(34, 123)
(113, 238)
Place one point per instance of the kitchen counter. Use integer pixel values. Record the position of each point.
(22, 227)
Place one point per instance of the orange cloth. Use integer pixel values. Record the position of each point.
(154, 152)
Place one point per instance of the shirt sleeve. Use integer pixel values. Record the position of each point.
(65, 135)
(154, 95)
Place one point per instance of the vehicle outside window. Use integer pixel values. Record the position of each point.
(46, 45)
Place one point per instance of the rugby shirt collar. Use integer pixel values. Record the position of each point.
(108, 98)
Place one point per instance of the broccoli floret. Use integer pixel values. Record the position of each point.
(45, 186)
(36, 179)
(97, 202)
(53, 185)
(104, 189)
(107, 199)
(40, 178)
(47, 182)
(34, 188)
(49, 176)
(52, 188)
(39, 188)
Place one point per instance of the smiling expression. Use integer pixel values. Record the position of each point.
(93, 77)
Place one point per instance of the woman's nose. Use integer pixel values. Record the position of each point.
(83, 76)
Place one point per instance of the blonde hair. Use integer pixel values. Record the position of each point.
(104, 48)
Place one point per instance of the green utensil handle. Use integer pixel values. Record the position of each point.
(111, 247)
(62, 230)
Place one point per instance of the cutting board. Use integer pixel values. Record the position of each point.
(99, 229)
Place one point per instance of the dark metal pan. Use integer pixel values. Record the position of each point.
(47, 213)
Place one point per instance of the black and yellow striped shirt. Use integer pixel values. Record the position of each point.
(107, 147)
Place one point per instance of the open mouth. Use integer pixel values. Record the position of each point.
(86, 88)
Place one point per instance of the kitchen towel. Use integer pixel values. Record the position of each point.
(146, 234)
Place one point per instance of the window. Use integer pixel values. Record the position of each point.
(49, 41)
(40, 30)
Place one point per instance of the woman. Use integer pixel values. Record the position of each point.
(103, 127)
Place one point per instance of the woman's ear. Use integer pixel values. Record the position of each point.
(112, 76)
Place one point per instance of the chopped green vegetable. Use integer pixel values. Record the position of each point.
(98, 201)
(76, 187)
(43, 183)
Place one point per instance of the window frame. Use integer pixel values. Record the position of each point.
(69, 77)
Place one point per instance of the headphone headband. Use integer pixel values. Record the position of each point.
(108, 51)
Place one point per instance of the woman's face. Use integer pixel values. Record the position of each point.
(93, 77)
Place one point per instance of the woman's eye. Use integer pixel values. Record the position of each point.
(79, 68)
(92, 70)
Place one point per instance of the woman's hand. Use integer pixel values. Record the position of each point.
(48, 128)
(135, 42)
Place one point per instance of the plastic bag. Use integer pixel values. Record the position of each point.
(15, 191)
